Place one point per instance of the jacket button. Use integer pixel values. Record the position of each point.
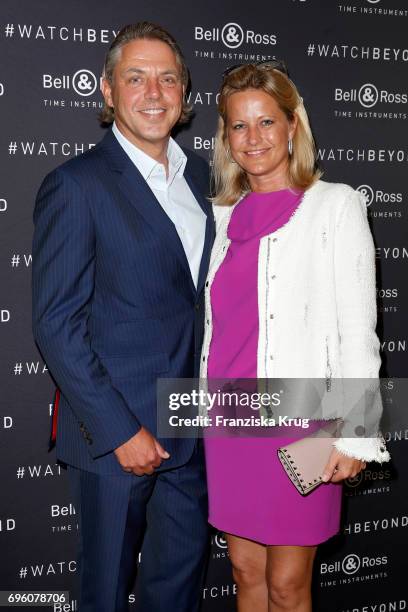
(271, 357)
(197, 306)
(275, 240)
(207, 283)
(273, 276)
(208, 321)
(204, 358)
(271, 316)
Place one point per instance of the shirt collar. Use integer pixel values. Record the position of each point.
(146, 165)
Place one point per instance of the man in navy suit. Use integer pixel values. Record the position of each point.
(122, 240)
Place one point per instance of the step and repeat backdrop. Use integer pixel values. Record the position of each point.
(350, 61)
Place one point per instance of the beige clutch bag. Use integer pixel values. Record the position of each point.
(305, 459)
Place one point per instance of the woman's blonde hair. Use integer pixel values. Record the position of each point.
(230, 180)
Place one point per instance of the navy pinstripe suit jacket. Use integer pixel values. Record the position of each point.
(114, 304)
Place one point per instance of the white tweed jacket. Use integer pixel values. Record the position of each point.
(316, 296)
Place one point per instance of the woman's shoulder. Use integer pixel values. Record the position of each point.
(335, 197)
(339, 191)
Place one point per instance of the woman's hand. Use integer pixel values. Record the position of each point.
(339, 467)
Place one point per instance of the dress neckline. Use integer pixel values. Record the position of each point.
(261, 213)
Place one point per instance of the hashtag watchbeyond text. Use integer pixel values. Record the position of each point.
(355, 52)
(48, 149)
(16, 260)
(23, 572)
(18, 368)
(9, 30)
(20, 472)
(53, 32)
(311, 49)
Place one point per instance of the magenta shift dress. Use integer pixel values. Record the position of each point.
(250, 495)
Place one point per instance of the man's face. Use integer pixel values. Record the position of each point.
(146, 93)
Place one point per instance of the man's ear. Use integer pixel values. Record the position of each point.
(106, 90)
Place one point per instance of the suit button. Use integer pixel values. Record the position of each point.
(207, 283)
(197, 306)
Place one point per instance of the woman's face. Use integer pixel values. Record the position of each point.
(258, 133)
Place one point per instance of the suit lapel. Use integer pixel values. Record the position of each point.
(209, 227)
(205, 259)
(138, 193)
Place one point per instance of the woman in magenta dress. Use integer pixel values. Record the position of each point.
(268, 201)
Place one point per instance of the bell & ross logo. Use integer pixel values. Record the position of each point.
(219, 546)
(368, 95)
(220, 541)
(368, 193)
(84, 82)
(369, 101)
(232, 35)
(80, 89)
(382, 201)
(354, 482)
(372, 481)
(351, 564)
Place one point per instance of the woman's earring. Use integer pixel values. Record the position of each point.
(290, 147)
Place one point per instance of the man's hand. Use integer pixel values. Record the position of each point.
(339, 467)
(141, 454)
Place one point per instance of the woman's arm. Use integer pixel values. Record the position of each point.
(354, 268)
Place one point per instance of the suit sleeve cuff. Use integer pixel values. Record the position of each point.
(105, 436)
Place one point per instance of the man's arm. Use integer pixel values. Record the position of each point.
(63, 284)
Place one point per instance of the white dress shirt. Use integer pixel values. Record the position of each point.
(174, 195)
